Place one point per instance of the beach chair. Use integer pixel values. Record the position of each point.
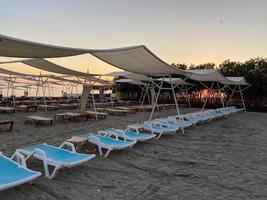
(10, 123)
(99, 114)
(57, 157)
(129, 109)
(36, 120)
(191, 119)
(117, 111)
(13, 173)
(7, 109)
(180, 124)
(233, 109)
(70, 116)
(47, 107)
(127, 134)
(107, 143)
(153, 127)
(201, 117)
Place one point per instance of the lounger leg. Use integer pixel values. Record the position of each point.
(11, 126)
(100, 150)
(182, 129)
(107, 153)
(47, 171)
(159, 135)
(54, 173)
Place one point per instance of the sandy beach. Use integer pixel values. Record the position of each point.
(223, 159)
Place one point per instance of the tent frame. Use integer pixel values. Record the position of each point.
(237, 89)
(159, 86)
(212, 89)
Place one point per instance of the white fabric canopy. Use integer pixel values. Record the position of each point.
(205, 75)
(131, 81)
(137, 59)
(235, 81)
(52, 67)
(30, 76)
(129, 75)
(175, 81)
(13, 47)
(8, 72)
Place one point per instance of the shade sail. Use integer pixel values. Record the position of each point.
(137, 59)
(129, 75)
(31, 77)
(52, 67)
(205, 75)
(8, 72)
(175, 81)
(131, 81)
(13, 47)
(235, 81)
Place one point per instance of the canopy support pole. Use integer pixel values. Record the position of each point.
(145, 94)
(220, 94)
(43, 89)
(242, 99)
(156, 100)
(230, 98)
(174, 96)
(188, 98)
(142, 91)
(37, 89)
(209, 89)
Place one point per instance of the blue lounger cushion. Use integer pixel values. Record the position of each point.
(59, 155)
(107, 141)
(13, 174)
(130, 135)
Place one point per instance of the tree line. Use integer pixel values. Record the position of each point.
(254, 70)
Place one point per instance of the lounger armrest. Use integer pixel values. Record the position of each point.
(116, 133)
(68, 144)
(135, 127)
(19, 158)
(96, 138)
(106, 134)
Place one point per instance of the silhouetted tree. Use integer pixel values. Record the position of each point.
(180, 66)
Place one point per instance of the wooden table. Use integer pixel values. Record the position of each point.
(27, 108)
(36, 120)
(79, 143)
(67, 116)
(6, 122)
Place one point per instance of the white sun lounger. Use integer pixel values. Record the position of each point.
(107, 143)
(171, 122)
(127, 134)
(153, 127)
(13, 174)
(57, 157)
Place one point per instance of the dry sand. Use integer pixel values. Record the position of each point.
(223, 159)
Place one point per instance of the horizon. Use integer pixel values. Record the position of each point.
(215, 32)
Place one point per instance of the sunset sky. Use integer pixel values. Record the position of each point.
(178, 31)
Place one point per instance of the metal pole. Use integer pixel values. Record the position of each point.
(230, 98)
(188, 98)
(155, 103)
(244, 106)
(208, 96)
(220, 94)
(174, 96)
(42, 84)
(93, 98)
